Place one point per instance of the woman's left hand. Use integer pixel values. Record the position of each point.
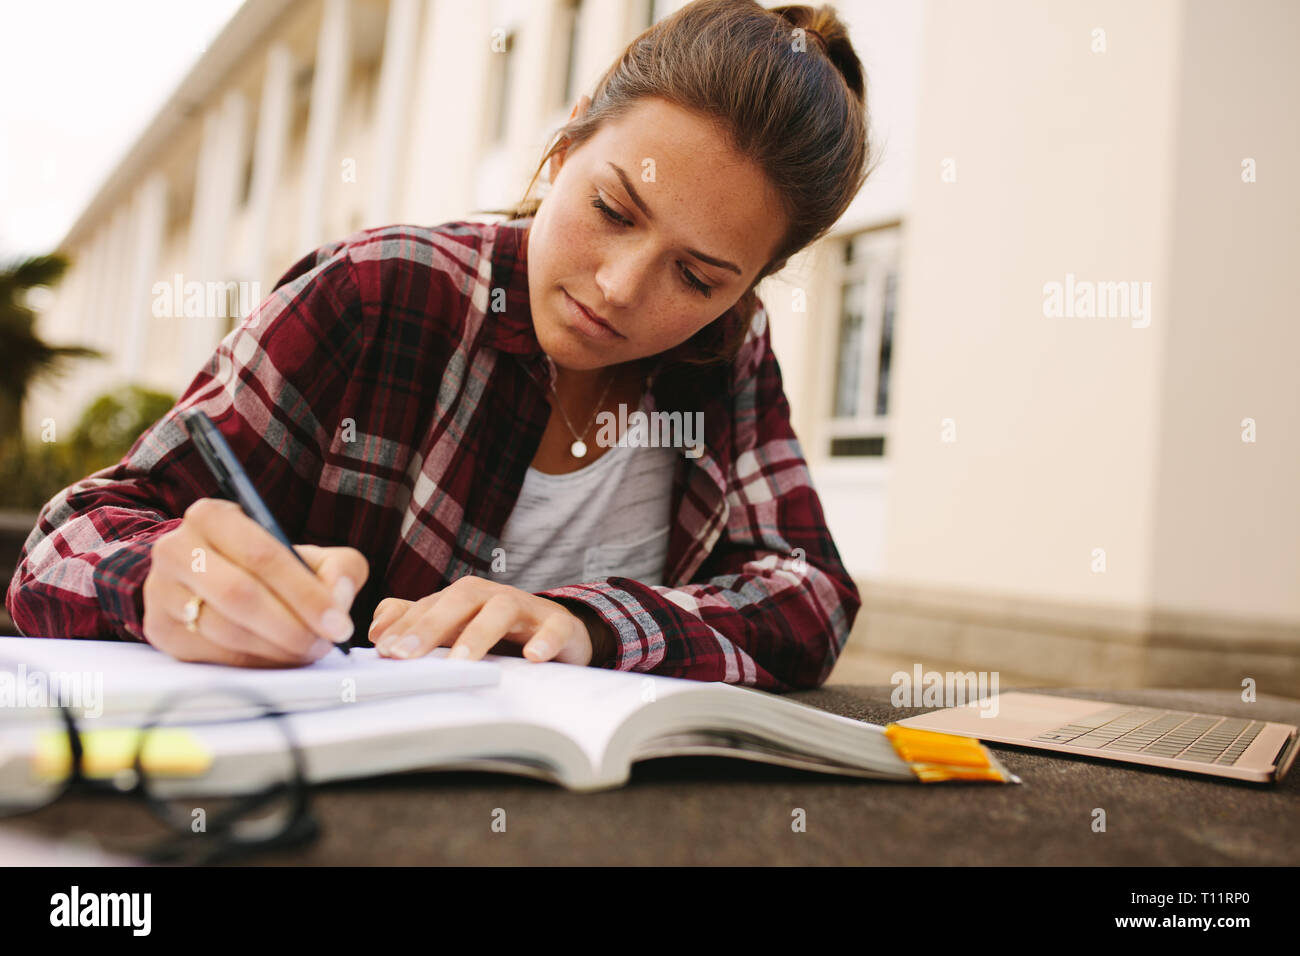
(472, 615)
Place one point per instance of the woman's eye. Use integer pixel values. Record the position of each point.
(609, 214)
(696, 284)
(691, 281)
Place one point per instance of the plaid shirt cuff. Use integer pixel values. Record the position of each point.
(119, 582)
(638, 639)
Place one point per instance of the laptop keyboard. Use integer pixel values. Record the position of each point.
(1162, 733)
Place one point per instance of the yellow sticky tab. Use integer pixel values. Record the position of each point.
(930, 772)
(936, 756)
(167, 752)
(928, 746)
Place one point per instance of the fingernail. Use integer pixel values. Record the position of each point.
(539, 648)
(344, 591)
(459, 651)
(406, 646)
(336, 625)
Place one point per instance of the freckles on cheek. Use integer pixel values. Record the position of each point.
(570, 235)
(664, 331)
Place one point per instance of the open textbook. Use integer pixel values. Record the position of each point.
(580, 727)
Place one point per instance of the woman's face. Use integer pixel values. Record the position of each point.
(706, 218)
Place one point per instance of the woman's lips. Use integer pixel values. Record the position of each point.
(587, 323)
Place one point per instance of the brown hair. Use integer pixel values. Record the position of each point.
(786, 88)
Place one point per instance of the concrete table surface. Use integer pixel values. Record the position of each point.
(705, 810)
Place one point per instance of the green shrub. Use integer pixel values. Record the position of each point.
(33, 472)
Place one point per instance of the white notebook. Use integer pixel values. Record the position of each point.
(579, 727)
(116, 678)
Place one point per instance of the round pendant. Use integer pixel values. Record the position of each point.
(578, 449)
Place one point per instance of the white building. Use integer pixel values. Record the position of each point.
(1068, 499)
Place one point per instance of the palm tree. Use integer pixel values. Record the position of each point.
(23, 356)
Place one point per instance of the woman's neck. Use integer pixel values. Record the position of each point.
(585, 386)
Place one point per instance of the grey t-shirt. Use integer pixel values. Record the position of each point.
(609, 518)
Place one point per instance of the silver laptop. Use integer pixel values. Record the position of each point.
(1257, 750)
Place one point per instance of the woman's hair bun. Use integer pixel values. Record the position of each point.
(824, 22)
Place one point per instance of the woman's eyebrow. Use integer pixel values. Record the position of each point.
(636, 198)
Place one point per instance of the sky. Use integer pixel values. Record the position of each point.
(81, 81)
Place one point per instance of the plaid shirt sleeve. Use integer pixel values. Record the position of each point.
(268, 388)
(772, 605)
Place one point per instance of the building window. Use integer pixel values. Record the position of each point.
(498, 91)
(246, 178)
(868, 294)
(232, 316)
(658, 9)
(571, 18)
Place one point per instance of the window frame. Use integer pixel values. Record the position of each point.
(880, 255)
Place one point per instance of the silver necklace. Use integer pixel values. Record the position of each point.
(579, 447)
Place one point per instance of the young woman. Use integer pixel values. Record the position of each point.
(420, 406)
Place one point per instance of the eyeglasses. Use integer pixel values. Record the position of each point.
(216, 810)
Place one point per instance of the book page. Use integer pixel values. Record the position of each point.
(118, 679)
(588, 704)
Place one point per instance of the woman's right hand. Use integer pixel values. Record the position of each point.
(261, 607)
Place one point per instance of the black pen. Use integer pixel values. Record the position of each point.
(233, 480)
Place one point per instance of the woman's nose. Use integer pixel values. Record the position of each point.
(622, 279)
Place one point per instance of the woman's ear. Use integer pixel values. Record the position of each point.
(555, 162)
(558, 157)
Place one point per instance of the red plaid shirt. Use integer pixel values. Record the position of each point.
(387, 397)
